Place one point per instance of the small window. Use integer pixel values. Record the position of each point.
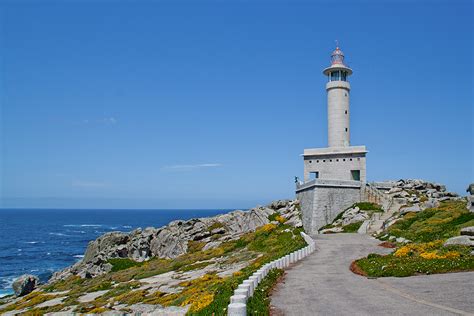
(346, 129)
(324, 160)
(313, 175)
(346, 112)
(337, 159)
(345, 94)
(344, 159)
(310, 161)
(330, 160)
(317, 161)
(350, 159)
(355, 174)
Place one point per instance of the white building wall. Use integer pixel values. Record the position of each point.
(335, 167)
(338, 113)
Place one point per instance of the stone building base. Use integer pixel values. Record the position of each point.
(322, 200)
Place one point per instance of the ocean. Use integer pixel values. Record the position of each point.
(41, 241)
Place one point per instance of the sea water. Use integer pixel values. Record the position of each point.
(40, 241)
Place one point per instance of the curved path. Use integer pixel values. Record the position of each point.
(322, 284)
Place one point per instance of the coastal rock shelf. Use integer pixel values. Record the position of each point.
(238, 302)
(174, 239)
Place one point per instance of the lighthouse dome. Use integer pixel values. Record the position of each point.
(337, 56)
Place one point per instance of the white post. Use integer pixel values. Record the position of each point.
(251, 287)
(237, 309)
(238, 299)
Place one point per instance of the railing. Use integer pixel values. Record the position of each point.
(238, 301)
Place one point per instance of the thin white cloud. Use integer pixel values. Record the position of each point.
(87, 184)
(193, 166)
(105, 121)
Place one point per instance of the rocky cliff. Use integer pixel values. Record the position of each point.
(173, 240)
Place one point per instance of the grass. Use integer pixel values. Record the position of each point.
(426, 254)
(390, 265)
(368, 206)
(123, 263)
(438, 223)
(259, 303)
(352, 228)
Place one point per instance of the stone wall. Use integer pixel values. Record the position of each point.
(321, 201)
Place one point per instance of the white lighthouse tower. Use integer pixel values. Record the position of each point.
(338, 89)
(340, 160)
(335, 176)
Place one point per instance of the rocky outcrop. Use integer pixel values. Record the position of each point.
(25, 284)
(172, 240)
(414, 195)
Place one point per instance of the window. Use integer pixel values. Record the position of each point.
(344, 76)
(355, 174)
(344, 159)
(337, 159)
(335, 76)
(350, 159)
(345, 94)
(324, 160)
(346, 129)
(313, 175)
(330, 160)
(317, 161)
(310, 161)
(346, 112)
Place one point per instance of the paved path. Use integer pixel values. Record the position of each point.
(322, 284)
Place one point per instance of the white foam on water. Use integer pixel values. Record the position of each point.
(58, 234)
(78, 256)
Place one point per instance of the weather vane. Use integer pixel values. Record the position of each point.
(337, 43)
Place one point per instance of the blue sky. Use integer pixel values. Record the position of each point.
(209, 104)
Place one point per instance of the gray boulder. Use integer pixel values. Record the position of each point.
(413, 208)
(460, 240)
(25, 284)
(467, 231)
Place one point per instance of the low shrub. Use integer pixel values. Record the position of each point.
(352, 228)
(123, 263)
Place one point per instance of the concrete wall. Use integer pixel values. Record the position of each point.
(338, 113)
(322, 201)
(335, 166)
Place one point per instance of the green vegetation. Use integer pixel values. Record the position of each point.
(426, 254)
(259, 303)
(402, 266)
(273, 217)
(368, 206)
(352, 228)
(216, 225)
(440, 223)
(123, 263)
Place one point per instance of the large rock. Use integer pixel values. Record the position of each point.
(460, 240)
(172, 240)
(25, 284)
(467, 231)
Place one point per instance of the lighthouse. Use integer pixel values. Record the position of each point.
(339, 161)
(334, 176)
(338, 88)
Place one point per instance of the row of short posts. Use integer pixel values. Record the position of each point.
(238, 301)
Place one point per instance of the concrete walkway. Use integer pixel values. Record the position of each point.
(322, 284)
